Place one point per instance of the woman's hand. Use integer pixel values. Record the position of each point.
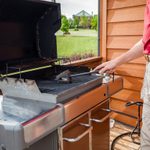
(107, 67)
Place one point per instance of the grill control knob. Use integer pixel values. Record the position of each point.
(107, 77)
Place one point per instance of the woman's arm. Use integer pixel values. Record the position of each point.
(135, 52)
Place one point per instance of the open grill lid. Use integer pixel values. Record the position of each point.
(27, 30)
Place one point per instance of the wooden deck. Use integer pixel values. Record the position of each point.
(125, 143)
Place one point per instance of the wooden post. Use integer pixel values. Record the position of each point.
(103, 31)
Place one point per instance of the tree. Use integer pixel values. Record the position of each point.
(71, 23)
(84, 21)
(64, 25)
(94, 22)
(76, 23)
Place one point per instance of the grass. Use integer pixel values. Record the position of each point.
(84, 31)
(81, 32)
(69, 46)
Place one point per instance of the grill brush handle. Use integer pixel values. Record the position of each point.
(104, 75)
(66, 76)
(84, 73)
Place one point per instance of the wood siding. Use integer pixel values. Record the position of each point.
(124, 27)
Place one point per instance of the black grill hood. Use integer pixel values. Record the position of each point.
(27, 29)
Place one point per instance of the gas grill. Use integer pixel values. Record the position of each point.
(32, 105)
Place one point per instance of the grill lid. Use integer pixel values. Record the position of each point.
(27, 30)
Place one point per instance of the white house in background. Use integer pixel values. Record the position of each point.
(82, 14)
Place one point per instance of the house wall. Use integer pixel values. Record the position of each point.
(121, 28)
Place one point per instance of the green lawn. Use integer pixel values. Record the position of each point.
(69, 46)
(81, 32)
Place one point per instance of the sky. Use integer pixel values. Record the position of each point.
(70, 7)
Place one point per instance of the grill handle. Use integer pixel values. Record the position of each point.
(72, 140)
(101, 120)
(119, 112)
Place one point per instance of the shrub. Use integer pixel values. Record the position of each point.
(65, 25)
(94, 22)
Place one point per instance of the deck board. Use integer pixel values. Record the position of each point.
(124, 143)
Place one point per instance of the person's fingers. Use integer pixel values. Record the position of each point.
(100, 67)
(110, 71)
(107, 71)
(104, 70)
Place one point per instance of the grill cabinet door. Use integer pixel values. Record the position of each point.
(100, 123)
(76, 135)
